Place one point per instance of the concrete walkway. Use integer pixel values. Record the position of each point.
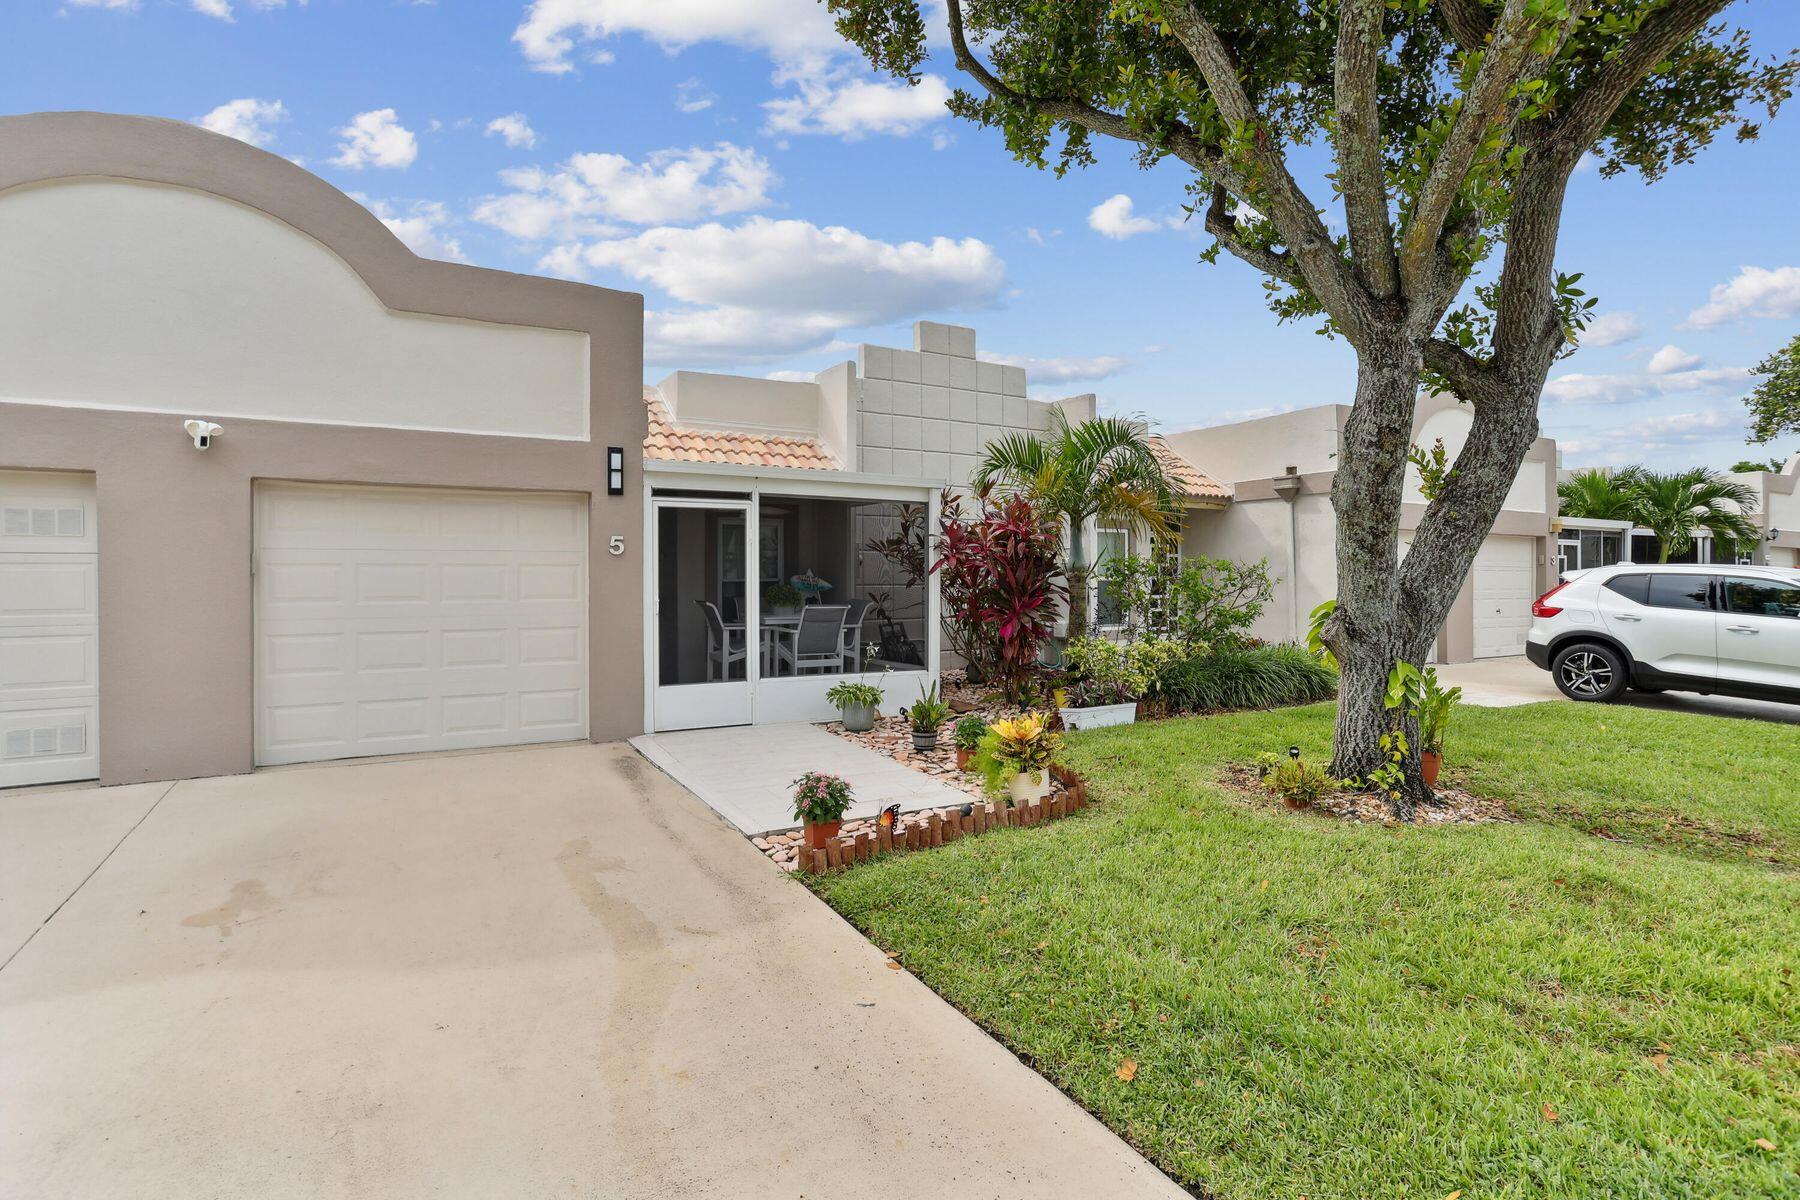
(546, 972)
(746, 773)
(1505, 682)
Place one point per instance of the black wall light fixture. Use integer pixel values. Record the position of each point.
(615, 470)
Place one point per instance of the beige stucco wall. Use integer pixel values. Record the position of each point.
(175, 524)
(122, 293)
(1306, 440)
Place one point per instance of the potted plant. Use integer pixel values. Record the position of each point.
(968, 733)
(926, 714)
(1094, 704)
(857, 704)
(820, 802)
(1435, 703)
(782, 600)
(1015, 757)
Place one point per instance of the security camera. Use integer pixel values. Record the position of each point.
(203, 432)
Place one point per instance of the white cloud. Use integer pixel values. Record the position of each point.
(691, 96)
(247, 120)
(1114, 218)
(766, 288)
(421, 224)
(792, 376)
(376, 138)
(1671, 359)
(221, 9)
(114, 5)
(838, 103)
(1611, 329)
(584, 194)
(1664, 440)
(1614, 389)
(1754, 292)
(787, 29)
(514, 130)
(1065, 370)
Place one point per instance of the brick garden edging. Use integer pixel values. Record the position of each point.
(928, 830)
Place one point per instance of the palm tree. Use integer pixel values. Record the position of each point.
(1598, 494)
(1676, 506)
(1103, 467)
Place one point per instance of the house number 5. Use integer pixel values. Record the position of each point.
(616, 544)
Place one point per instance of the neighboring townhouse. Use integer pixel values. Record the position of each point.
(1777, 513)
(1280, 471)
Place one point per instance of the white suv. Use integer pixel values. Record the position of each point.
(1730, 631)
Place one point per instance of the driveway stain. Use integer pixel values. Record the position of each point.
(247, 896)
(644, 984)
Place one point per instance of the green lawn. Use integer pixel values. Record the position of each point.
(1332, 1010)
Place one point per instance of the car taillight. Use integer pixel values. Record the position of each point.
(1541, 607)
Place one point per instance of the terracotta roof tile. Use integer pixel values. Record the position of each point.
(670, 442)
(1189, 481)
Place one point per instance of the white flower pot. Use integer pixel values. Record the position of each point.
(1029, 786)
(1100, 716)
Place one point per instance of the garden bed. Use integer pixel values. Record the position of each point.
(1453, 805)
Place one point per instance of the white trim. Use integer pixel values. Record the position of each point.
(714, 702)
(792, 481)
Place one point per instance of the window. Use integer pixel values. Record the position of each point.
(1112, 545)
(1681, 591)
(1635, 588)
(1763, 598)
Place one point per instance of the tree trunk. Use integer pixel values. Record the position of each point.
(1077, 574)
(1370, 629)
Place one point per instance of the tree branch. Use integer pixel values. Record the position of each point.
(1662, 32)
(1294, 214)
(1469, 377)
(1502, 65)
(1223, 226)
(1467, 21)
(1527, 330)
(1182, 141)
(1362, 176)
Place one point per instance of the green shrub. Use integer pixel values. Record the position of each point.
(1136, 666)
(1296, 781)
(1235, 677)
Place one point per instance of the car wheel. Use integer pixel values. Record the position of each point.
(1589, 671)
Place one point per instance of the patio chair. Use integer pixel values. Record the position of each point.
(818, 643)
(852, 644)
(721, 649)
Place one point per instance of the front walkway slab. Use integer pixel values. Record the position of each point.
(544, 972)
(746, 773)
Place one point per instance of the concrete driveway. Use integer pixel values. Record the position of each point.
(545, 972)
(1503, 682)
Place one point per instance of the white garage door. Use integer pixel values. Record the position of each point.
(1505, 578)
(392, 620)
(49, 628)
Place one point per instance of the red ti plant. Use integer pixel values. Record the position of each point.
(1000, 570)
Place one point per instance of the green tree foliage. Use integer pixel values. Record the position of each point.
(1775, 402)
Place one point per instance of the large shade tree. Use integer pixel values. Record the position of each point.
(1775, 402)
(1452, 127)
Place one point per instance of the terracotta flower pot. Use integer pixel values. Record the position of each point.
(1429, 763)
(820, 832)
(962, 758)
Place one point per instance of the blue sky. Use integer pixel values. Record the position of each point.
(777, 204)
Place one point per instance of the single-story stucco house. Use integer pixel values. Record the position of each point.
(273, 489)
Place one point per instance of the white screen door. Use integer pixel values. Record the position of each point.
(705, 661)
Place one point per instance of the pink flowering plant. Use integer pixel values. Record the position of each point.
(820, 799)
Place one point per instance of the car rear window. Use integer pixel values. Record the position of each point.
(1763, 598)
(1679, 591)
(1632, 587)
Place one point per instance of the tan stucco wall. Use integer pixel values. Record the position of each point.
(175, 523)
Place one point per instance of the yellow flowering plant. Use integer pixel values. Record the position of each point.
(1016, 746)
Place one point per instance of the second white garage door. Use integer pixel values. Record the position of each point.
(393, 620)
(1504, 577)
